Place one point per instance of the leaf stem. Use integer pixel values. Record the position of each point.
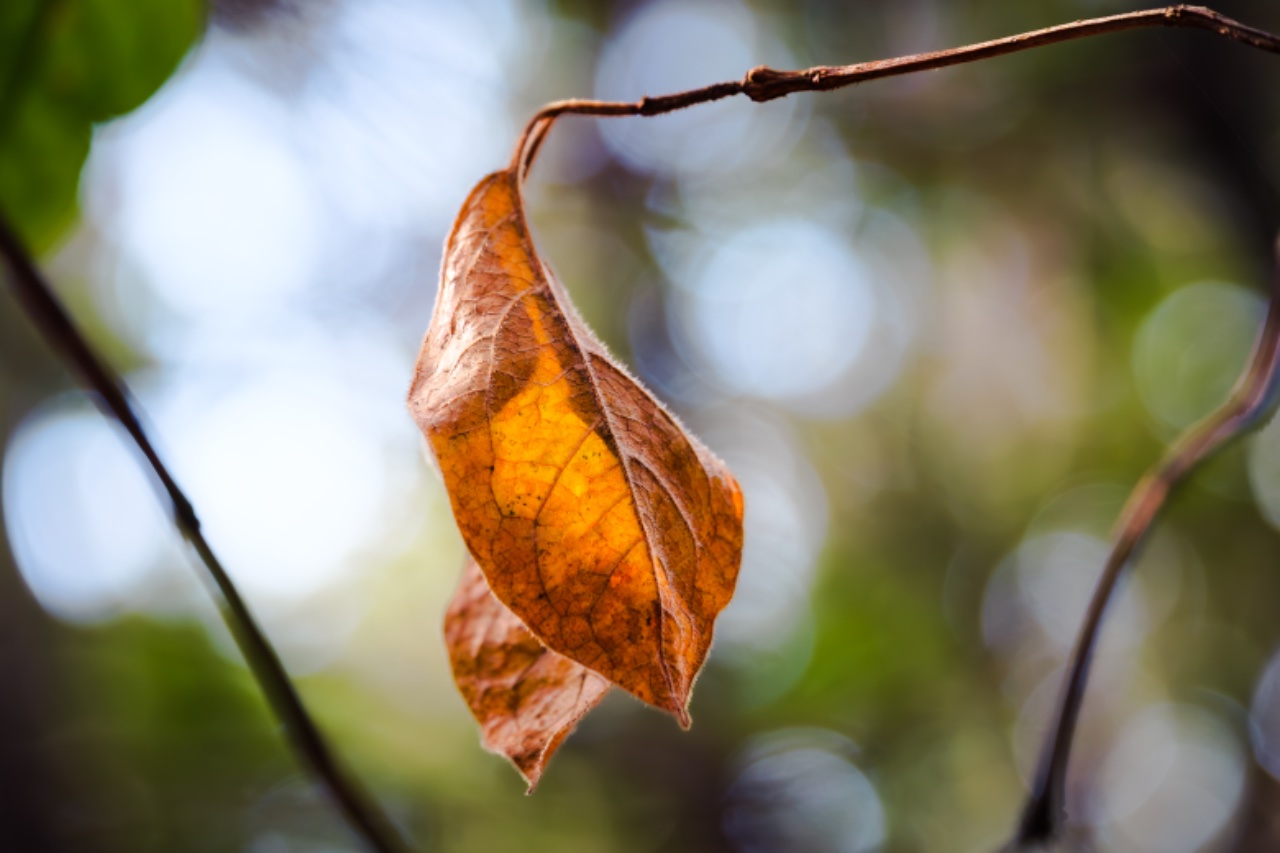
(114, 399)
(1253, 397)
(766, 84)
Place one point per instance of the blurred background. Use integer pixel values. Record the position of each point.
(937, 326)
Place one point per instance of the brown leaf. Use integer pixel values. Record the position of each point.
(614, 535)
(527, 698)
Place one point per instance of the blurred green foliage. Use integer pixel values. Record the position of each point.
(66, 65)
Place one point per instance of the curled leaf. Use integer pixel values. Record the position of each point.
(527, 698)
(609, 531)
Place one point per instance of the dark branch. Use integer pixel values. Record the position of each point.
(1253, 397)
(766, 84)
(113, 398)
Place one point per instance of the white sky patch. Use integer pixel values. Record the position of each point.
(413, 109)
(286, 482)
(85, 525)
(781, 309)
(785, 529)
(295, 457)
(670, 46)
(216, 211)
(1173, 781)
(302, 465)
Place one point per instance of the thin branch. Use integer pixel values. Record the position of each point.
(766, 84)
(1253, 397)
(113, 398)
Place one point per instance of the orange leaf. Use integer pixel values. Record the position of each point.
(613, 534)
(527, 698)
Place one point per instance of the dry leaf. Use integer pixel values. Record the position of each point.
(527, 698)
(611, 533)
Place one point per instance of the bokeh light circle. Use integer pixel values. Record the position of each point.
(1173, 781)
(85, 525)
(673, 45)
(799, 790)
(1264, 718)
(782, 309)
(1189, 351)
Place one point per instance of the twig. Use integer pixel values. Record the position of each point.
(113, 398)
(1253, 397)
(766, 84)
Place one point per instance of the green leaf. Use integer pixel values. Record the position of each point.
(64, 66)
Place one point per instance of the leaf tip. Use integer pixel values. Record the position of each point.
(532, 774)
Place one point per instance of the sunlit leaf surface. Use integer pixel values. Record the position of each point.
(614, 535)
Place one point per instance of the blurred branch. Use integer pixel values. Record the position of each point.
(765, 84)
(113, 398)
(1253, 397)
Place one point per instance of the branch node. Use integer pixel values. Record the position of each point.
(185, 516)
(759, 82)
